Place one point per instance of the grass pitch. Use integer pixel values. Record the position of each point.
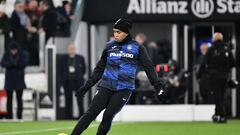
(124, 128)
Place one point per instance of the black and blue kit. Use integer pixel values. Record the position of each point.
(116, 71)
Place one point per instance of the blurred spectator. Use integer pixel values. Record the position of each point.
(20, 25)
(33, 13)
(164, 51)
(72, 70)
(217, 63)
(178, 81)
(206, 93)
(141, 38)
(4, 25)
(15, 61)
(64, 17)
(48, 20)
(203, 50)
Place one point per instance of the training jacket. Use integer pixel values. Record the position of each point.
(118, 64)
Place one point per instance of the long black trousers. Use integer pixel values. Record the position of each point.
(68, 91)
(19, 94)
(111, 101)
(219, 89)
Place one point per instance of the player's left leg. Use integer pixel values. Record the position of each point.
(19, 94)
(99, 102)
(117, 101)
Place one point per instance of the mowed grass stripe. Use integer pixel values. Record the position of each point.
(48, 130)
(136, 128)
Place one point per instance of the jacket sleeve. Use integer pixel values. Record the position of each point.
(148, 66)
(98, 71)
(8, 62)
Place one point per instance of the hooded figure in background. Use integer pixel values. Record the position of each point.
(15, 61)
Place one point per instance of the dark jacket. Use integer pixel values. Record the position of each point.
(63, 22)
(4, 24)
(79, 67)
(14, 75)
(117, 66)
(5, 27)
(217, 62)
(48, 22)
(19, 31)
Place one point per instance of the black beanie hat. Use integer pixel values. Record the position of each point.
(123, 24)
(13, 45)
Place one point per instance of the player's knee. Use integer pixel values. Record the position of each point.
(91, 113)
(108, 115)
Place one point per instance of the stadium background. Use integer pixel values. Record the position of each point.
(183, 26)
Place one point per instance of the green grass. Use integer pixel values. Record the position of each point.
(131, 128)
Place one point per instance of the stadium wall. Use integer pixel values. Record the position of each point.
(164, 113)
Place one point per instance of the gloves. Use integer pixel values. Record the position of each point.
(160, 91)
(81, 92)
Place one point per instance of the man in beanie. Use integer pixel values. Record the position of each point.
(15, 61)
(116, 70)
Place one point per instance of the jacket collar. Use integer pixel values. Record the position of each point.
(126, 40)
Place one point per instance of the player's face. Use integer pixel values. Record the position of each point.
(119, 36)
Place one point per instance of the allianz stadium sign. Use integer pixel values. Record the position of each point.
(200, 8)
(163, 10)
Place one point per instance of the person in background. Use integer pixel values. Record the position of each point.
(33, 13)
(31, 9)
(4, 25)
(20, 25)
(164, 51)
(72, 70)
(48, 20)
(14, 60)
(217, 63)
(141, 38)
(206, 93)
(65, 17)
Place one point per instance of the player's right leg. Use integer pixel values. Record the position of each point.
(118, 100)
(9, 104)
(100, 101)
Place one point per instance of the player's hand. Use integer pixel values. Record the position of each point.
(161, 91)
(81, 92)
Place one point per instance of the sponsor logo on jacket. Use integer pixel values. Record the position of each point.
(121, 54)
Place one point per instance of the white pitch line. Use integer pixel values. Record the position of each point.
(47, 130)
(41, 130)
